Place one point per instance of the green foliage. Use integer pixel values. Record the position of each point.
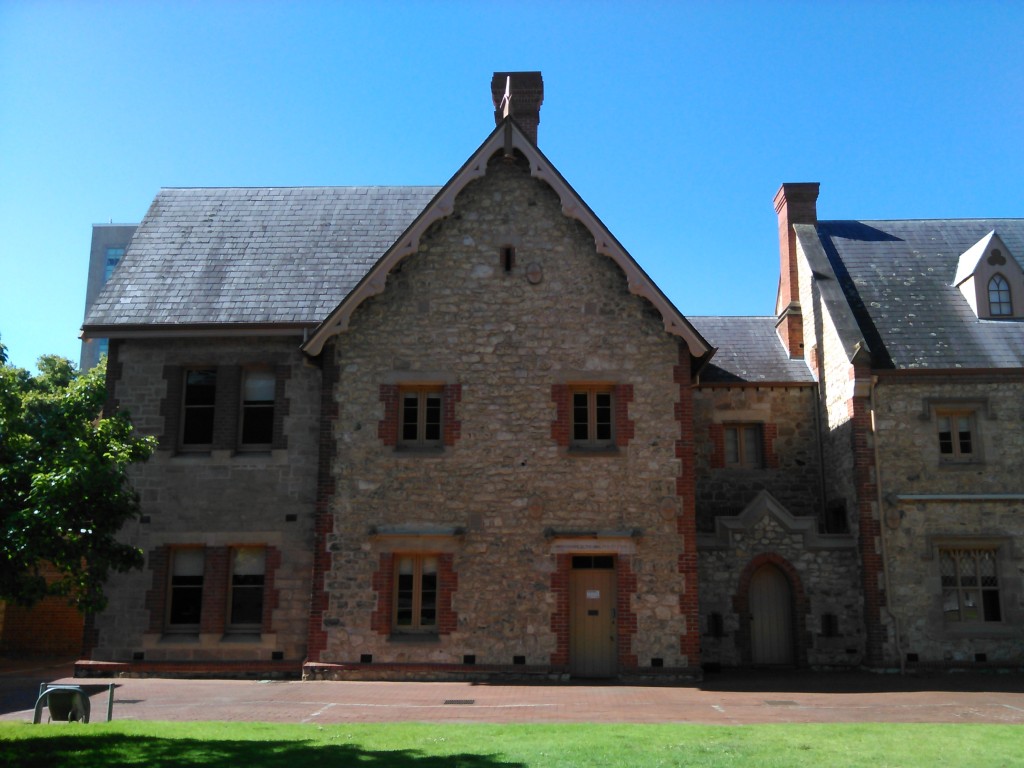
(64, 491)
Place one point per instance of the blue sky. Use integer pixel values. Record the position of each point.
(676, 122)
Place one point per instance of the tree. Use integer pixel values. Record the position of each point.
(64, 490)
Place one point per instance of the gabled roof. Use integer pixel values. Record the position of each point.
(749, 352)
(250, 256)
(507, 138)
(897, 277)
(967, 264)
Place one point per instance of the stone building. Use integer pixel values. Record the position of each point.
(458, 432)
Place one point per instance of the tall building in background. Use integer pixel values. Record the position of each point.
(109, 242)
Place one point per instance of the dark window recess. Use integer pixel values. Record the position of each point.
(186, 587)
(829, 625)
(247, 577)
(138, 655)
(593, 562)
(197, 409)
(912, 658)
(981, 658)
(258, 408)
(277, 655)
(835, 520)
(716, 626)
(508, 258)
(518, 659)
(366, 658)
(656, 662)
(469, 658)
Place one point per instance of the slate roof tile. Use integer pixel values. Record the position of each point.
(253, 255)
(749, 350)
(898, 278)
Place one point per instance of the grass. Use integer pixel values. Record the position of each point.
(413, 745)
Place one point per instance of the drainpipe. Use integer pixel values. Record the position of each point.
(882, 534)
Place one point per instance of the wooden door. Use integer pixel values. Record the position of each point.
(592, 637)
(771, 617)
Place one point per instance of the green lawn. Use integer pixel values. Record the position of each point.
(412, 745)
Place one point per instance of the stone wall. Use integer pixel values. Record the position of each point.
(503, 498)
(791, 469)
(932, 504)
(216, 499)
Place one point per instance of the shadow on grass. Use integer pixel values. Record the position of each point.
(122, 751)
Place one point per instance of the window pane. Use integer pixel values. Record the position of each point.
(257, 425)
(945, 435)
(410, 416)
(751, 446)
(200, 387)
(186, 586)
(603, 416)
(580, 416)
(990, 598)
(428, 592)
(951, 605)
(964, 433)
(259, 387)
(732, 448)
(198, 427)
(197, 416)
(432, 428)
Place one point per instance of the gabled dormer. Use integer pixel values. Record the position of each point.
(991, 280)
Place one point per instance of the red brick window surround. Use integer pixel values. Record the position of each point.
(420, 416)
(743, 445)
(210, 590)
(414, 594)
(592, 416)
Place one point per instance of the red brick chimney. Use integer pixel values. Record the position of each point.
(794, 204)
(525, 92)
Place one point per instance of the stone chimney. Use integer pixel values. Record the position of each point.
(525, 94)
(794, 204)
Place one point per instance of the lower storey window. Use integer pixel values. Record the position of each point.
(186, 601)
(248, 566)
(415, 593)
(970, 586)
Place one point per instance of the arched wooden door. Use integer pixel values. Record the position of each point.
(771, 617)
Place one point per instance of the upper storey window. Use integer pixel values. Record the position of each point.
(593, 422)
(421, 417)
(999, 302)
(197, 408)
(988, 276)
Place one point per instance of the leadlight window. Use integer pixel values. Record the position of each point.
(743, 446)
(416, 586)
(956, 431)
(420, 417)
(197, 408)
(999, 302)
(593, 418)
(248, 572)
(970, 585)
(258, 408)
(186, 588)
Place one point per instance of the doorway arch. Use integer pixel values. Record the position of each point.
(772, 609)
